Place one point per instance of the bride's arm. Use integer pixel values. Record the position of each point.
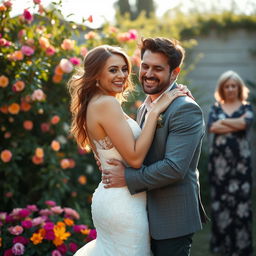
(116, 127)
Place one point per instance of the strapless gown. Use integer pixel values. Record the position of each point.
(119, 217)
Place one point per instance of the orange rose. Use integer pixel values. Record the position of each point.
(14, 108)
(55, 119)
(39, 152)
(68, 44)
(25, 106)
(37, 160)
(82, 179)
(55, 145)
(57, 78)
(19, 86)
(58, 70)
(64, 163)
(6, 155)
(4, 81)
(28, 125)
(4, 109)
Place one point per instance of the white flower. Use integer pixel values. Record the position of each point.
(224, 220)
(233, 186)
(242, 238)
(66, 65)
(243, 210)
(246, 187)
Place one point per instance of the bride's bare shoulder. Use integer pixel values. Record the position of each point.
(104, 102)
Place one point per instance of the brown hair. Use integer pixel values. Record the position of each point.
(82, 87)
(243, 91)
(171, 48)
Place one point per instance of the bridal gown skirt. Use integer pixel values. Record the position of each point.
(121, 223)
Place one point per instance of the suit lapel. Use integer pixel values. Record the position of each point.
(141, 115)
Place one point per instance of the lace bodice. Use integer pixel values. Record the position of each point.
(105, 148)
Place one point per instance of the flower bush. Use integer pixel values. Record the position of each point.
(38, 157)
(48, 231)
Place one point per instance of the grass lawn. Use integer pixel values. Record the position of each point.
(201, 239)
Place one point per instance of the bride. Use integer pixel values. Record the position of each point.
(98, 119)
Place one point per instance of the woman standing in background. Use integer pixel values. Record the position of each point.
(230, 171)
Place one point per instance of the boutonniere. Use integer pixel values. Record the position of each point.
(160, 121)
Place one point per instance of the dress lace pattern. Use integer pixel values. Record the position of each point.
(104, 143)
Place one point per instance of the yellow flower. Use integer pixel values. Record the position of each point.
(60, 233)
(36, 238)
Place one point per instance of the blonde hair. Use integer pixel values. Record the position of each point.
(82, 87)
(243, 90)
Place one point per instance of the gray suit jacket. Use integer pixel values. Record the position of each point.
(169, 174)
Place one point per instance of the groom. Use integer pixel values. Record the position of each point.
(169, 174)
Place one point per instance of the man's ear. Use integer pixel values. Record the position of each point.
(176, 72)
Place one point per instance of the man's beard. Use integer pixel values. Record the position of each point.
(161, 87)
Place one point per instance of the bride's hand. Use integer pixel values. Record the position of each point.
(186, 90)
(166, 99)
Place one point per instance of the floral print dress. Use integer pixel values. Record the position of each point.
(230, 177)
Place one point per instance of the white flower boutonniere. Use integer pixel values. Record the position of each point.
(160, 121)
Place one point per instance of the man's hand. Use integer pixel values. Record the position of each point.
(114, 177)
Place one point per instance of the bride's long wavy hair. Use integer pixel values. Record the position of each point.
(82, 87)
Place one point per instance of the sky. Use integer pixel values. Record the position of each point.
(104, 9)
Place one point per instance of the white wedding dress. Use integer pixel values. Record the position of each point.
(119, 217)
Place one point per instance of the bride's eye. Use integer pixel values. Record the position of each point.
(113, 70)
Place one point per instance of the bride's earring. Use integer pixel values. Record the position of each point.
(97, 83)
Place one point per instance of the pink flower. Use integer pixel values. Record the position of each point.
(57, 209)
(133, 34)
(32, 208)
(66, 65)
(56, 253)
(37, 1)
(92, 235)
(39, 220)
(20, 239)
(27, 15)
(21, 33)
(63, 249)
(78, 228)
(84, 51)
(38, 95)
(75, 61)
(49, 226)
(27, 224)
(50, 51)
(45, 212)
(49, 235)
(8, 252)
(18, 249)
(50, 203)
(45, 127)
(71, 213)
(27, 50)
(24, 213)
(8, 4)
(73, 247)
(15, 230)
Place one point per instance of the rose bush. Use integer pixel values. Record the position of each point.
(38, 157)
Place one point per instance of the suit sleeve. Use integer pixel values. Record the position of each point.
(186, 129)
